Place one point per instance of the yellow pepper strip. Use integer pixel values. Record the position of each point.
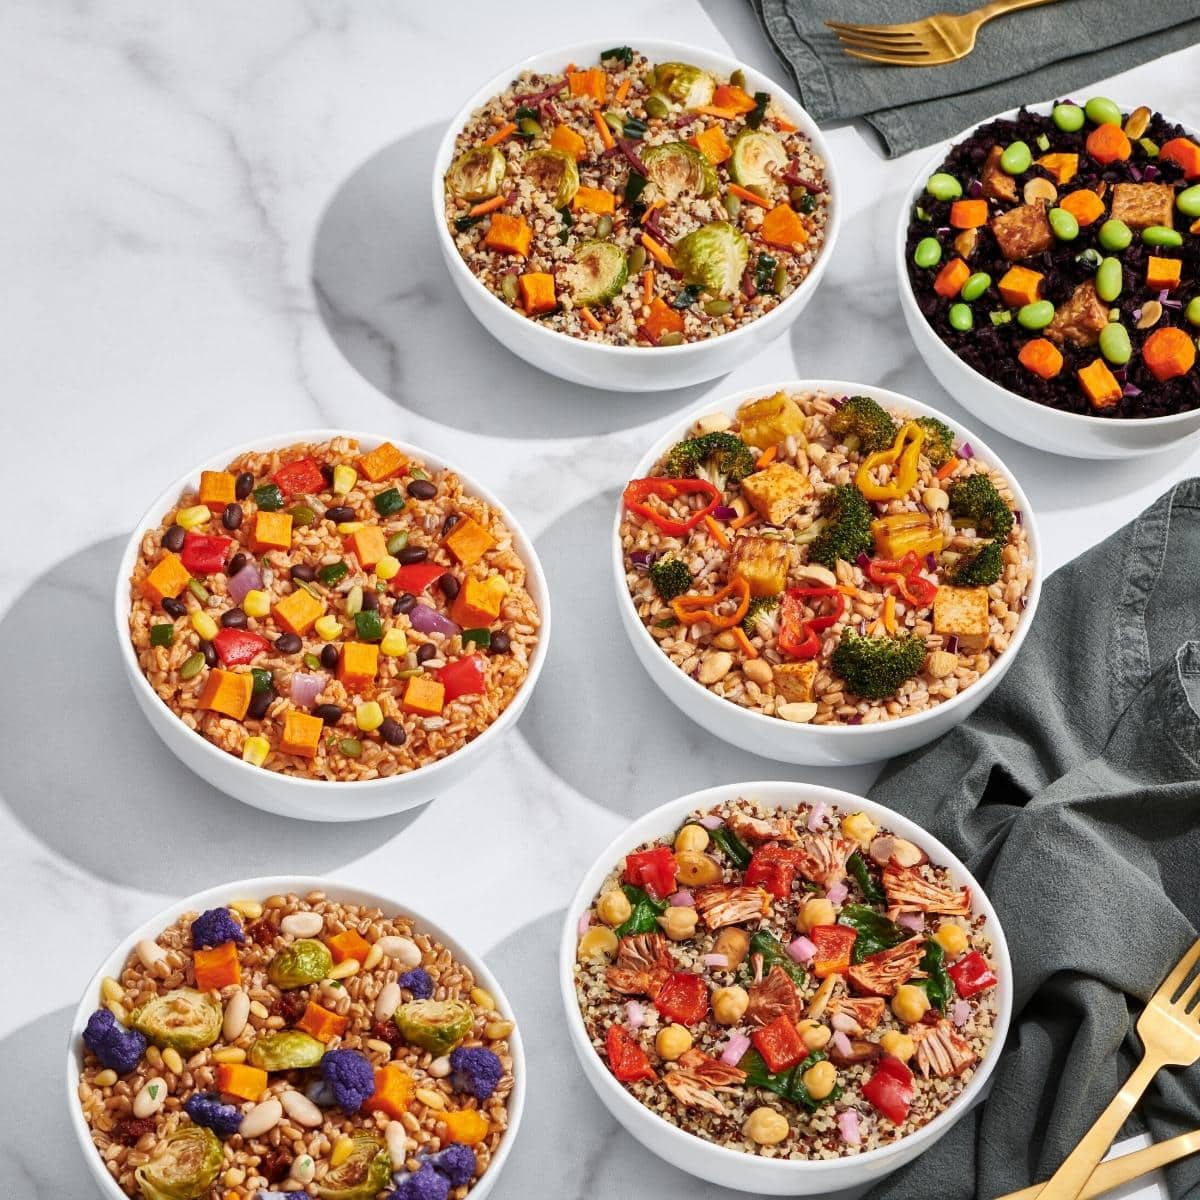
(889, 614)
(902, 456)
(691, 610)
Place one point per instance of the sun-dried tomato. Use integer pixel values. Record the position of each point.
(130, 1130)
(261, 932)
(386, 1031)
(275, 1165)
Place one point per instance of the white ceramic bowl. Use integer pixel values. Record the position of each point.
(315, 799)
(1024, 420)
(629, 368)
(735, 1168)
(785, 741)
(259, 889)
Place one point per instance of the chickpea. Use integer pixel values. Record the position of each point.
(599, 941)
(817, 911)
(695, 869)
(613, 908)
(734, 943)
(729, 1004)
(860, 828)
(820, 1079)
(692, 837)
(813, 1034)
(952, 938)
(898, 1045)
(672, 1041)
(678, 923)
(910, 1003)
(766, 1126)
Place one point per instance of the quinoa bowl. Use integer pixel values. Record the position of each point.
(616, 346)
(287, 1048)
(1088, 377)
(327, 608)
(806, 1144)
(790, 613)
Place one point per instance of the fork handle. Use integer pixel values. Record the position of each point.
(998, 8)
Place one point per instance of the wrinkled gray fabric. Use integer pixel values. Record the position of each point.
(1019, 58)
(1073, 794)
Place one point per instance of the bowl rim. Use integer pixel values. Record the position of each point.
(781, 314)
(267, 885)
(778, 794)
(152, 518)
(909, 300)
(728, 403)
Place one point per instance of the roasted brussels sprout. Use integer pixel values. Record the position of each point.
(596, 274)
(186, 1168)
(758, 158)
(434, 1025)
(288, 1050)
(684, 84)
(303, 962)
(362, 1176)
(185, 1019)
(554, 174)
(713, 257)
(676, 167)
(478, 174)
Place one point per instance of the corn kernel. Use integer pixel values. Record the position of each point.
(344, 479)
(342, 1149)
(204, 625)
(368, 716)
(255, 751)
(256, 603)
(387, 567)
(328, 627)
(394, 643)
(348, 527)
(194, 517)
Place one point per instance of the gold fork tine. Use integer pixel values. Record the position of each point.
(1183, 969)
(878, 30)
(870, 40)
(887, 51)
(1189, 995)
(891, 60)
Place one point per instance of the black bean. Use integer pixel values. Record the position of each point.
(339, 513)
(327, 475)
(392, 732)
(288, 643)
(173, 539)
(173, 607)
(236, 563)
(304, 571)
(259, 703)
(243, 485)
(329, 656)
(422, 489)
(234, 618)
(450, 522)
(448, 586)
(231, 518)
(413, 554)
(209, 652)
(329, 713)
(426, 652)
(405, 603)
(500, 643)
(371, 600)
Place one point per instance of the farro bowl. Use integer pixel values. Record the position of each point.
(328, 608)
(817, 594)
(582, 312)
(820, 992)
(281, 1068)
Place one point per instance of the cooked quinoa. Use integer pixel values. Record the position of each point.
(792, 982)
(820, 559)
(294, 1042)
(636, 204)
(333, 613)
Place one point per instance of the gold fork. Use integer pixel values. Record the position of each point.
(930, 42)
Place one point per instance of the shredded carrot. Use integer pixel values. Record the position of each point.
(847, 590)
(505, 130)
(889, 614)
(744, 643)
(487, 206)
(647, 286)
(749, 196)
(622, 91)
(605, 133)
(784, 126)
(717, 533)
(742, 522)
(650, 210)
(656, 251)
(715, 110)
(947, 468)
(876, 629)
(767, 457)
(589, 319)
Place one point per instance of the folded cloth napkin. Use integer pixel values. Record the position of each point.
(1020, 58)
(1073, 794)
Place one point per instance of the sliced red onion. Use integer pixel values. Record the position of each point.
(975, 189)
(1163, 294)
(635, 1014)
(841, 1043)
(1120, 374)
(952, 644)
(735, 1049)
(1017, 516)
(942, 230)
(843, 1023)
(1150, 173)
(802, 950)
(863, 561)
(862, 627)
(682, 899)
(1172, 304)
(880, 507)
(960, 1014)
(838, 401)
(711, 822)
(428, 620)
(913, 921)
(724, 513)
(1135, 172)
(837, 893)
(246, 580)
(720, 961)
(1131, 389)
(641, 559)
(930, 562)
(306, 688)
(816, 816)
(847, 1124)
(1137, 314)
(965, 451)
(856, 719)
(585, 919)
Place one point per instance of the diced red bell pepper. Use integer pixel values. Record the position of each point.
(464, 677)
(300, 478)
(780, 1044)
(626, 1059)
(235, 647)
(833, 943)
(800, 638)
(773, 868)
(652, 870)
(204, 554)
(416, 577)
(972, 974)
(683, 998)
(890, 1089)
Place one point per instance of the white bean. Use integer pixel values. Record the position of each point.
(303, 1169)
(401, 950)
(149, 952)
(237, 1013)
(387, 1001)
(150, 1098)
(261, 1118)
(396, 1138)
(302, 924)
(301, 1109)
(440, 1067)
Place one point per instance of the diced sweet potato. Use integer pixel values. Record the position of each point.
(358, 664)
(783, 226)
(951, 277)
(1084, 205)
(1163, 273)
(216, 967)
(1042, 357)
(968, 214)
(794, 680)
(301, 734)
(272, 530)
(227, 692)
(1142, 204)
(168, 578)
(468, 541)
(237, 1079)
(509, 235)
(1020, 285)
(1186, 153)
(595, 200)
(1099, 384)
(381, 463)
(777, 491)
(466, 1125)
(1168, 352)
(568, 141)
(713, 144)
(322, 1024)
(962, 612)
(997, 183)
(368, 545)
(298, 611)
(424, 696)
(762, 562)
(394, 1089)
(217, 489)
(1061, 167)
(662, 319)
(1023, 231)
(731, 98)
(537, 292)
(1080, 319)
(348, 944)
(478, 602)
(592, 83)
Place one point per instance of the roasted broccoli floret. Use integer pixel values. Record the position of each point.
(845, 518)
(862, 418)
(980, 569)
(670, 577)
(974, 501)
(939, 440)
(875, 667)
(721, 458)
(762, 618)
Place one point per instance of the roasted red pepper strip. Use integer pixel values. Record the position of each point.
(972, 974)
(235, 647)
(684, 998)
(833, 943)
(302, 477)
(780, 1045)
(637, 491)
(774, 868)
(652, 870)
(464, 677)
(416, 577)
(626, 1059)
(890, 1089)
(798, 637)
(204, 554)
(904, 574)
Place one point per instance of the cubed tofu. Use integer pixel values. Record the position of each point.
(762, 562)
(1080, 319)
(424, 695)
(298, 611)
(272, 530)
(997, 183)
(378, 464)
(357, 665)
(794, 680)
(1023, 231)
(217, 489)
(468, 541)
(227, 692)
(962, 612)
(777, 492)
(168, 578)
(1143, 204)
(478, 602)
(368, 545)
(769, 421)
(301, 734)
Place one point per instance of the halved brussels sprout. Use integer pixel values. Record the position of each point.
(713, 257)
(288, 1050)
(434, 1025)
(555, 174)
(676, 167)
(478, 174)
(684, 84)
(304, 961)
(186, 1168)
(362, 1176)
(184, 1019)
(758, 158)
(597, 273)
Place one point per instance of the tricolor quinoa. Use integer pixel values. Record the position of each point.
(333, 613)
(820, 559)
(636, 204)
(790, 982)
(295, 1043)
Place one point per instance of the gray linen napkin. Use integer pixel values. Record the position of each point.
(1073, 794)
(1020, 58)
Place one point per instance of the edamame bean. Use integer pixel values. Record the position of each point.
(1192, 312)
(943, 187)
(1064, 224)
(1102, 111)
(1109, 280)
(1114, 344)
(961, 318)
(1037, 315)
(1068, 117)
(976, 285)
(928, 252)
(1161, 235)
(1188, 201)
(1114, 235)
(1016, 158)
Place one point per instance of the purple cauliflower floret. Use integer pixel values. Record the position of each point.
(351, 1077)
(116, 1047)
(425, 1184)
(418, 982)
(216, 927)
(264, 1194)
(205, 1108)
(456, 1162)
(476, 1070)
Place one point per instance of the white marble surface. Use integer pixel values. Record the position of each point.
(175, 175)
